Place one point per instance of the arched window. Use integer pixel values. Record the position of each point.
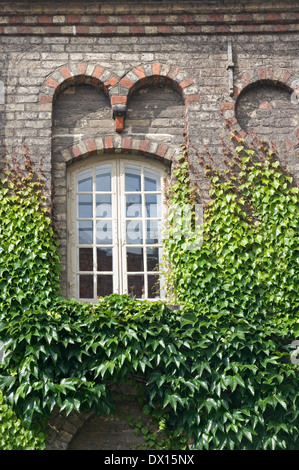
(114, 227)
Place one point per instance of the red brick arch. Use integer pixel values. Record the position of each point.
(73, 74)
(120, 145)
(119, 89)
(154, 74)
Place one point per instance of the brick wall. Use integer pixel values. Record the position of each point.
(79, 431)
(141, 77)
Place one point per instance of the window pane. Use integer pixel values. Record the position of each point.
(112, 197)
(153, 232)
(151, 180)
(84, 180)
(136, 286)
(133, 205)
(103, 205)
(85, 232)
(86, 286)
(153, 205)
(103, 178)
(104, 232)
(133, 178)
(153, 258)
(104, 285)
(104, 259)
(135, 259)
(134, 232)
(85, 205)
(153, 285)
(85, 259)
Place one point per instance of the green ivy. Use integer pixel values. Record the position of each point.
(13, 434)
(217, 372)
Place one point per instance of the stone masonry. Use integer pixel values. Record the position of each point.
(89, 78)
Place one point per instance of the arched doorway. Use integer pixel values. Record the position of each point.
(111, 432)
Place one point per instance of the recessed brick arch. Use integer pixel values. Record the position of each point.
(150, 74)
(278, 77)
(118, 89)
(73, 74)
(86, 431)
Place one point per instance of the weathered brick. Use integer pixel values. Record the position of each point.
(226, 106)
(192, 99)
(101, 19)
(82, 29)
(75, 151)
(126, 144)
(129, 19)
(45, 19)
(140, 72)
(109, 30)
(73, 19)
(52, 83)
(137, 30)
(117, 99)
(186, 83)
(108, 141)
(272, 17)
(66, 72)
(261, 73)
(280, 28)
(98, 72)
(119, 123)
(216, 18)
(110, 83)
(91, 146)
(127, 83)
(144, 145)
(17, 19)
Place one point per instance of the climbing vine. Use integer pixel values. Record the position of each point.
(217, 373)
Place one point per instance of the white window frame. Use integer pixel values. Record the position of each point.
(118, 163)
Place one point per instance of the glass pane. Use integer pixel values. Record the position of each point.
(86, 286)
(104, 259)
(104, 232)
(85, 232)
(133, 178)
(85, 259)
(104, 285)
(153, 258)
(134, 232)
(153, 205)
(133, 205)
(84, 180)
(103, 178)
(103, 205)
(151, 180)
(85, 205)
(135, 259)
(153, 231)
(136, 286)
(153, 284)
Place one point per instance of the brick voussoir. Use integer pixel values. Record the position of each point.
(98, 71)
(118, 99)
(90, 143)
(108, 144)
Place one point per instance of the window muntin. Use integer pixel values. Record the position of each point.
(115, 229)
